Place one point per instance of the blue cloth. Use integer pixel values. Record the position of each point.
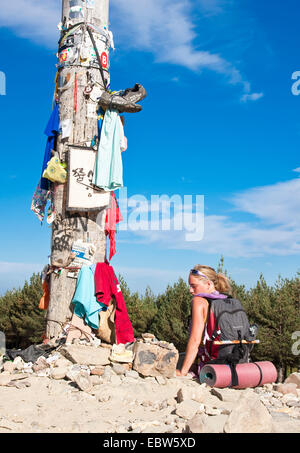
(84, 300)
(51, 131)
(108, 174)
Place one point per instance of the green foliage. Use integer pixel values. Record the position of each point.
(276, 310)
(20, 318)
(141, 309)
(171, 322)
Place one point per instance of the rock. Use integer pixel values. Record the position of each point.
(215, 424)
(8, 366)
(86, 355)
(106, 346)
(161, 380)
(201, 423)
(16, 419)
(293, 378)
(58, 373)
(40, 364)
(96, 379)
(118, 368)
(287, 388)
(132, 374)
(121, 354)
(196, 393)
(288, 397)
(115, 380)
(171, 402)
(72, 372)
(18, 376)
(153, 360)
(108, 371)
(84, 382)
(196, 424)
(62, 362)
(105, 395)
(163, 405)
(282, 423)
(99, 371)
(5, 378)
(187, 409)
(148, 335)
(212, 411)
(249, 415)
(293, 403)
(19, 384)
(18, 363)
(226, 394)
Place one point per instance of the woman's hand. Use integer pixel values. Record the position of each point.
(179, 373)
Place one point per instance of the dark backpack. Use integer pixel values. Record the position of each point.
(228, 321)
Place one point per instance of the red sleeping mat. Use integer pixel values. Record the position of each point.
(253, 374)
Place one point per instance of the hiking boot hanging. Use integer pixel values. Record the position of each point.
(135, 94)
(124, 101)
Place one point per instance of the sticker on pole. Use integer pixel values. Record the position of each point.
(63, 56)
(104, 60)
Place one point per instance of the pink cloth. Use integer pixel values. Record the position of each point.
(106, 287)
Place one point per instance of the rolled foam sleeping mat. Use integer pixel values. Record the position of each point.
(253, 374)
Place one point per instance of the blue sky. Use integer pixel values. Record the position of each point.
(220, 120)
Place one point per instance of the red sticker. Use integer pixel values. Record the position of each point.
(104, 59)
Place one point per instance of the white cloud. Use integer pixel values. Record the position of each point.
(273, 228)
(164, 28)
(33, 19)
(276, 204)
(251, 97)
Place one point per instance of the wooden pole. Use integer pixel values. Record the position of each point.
(73, 104)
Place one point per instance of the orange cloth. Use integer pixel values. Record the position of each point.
(44, 302)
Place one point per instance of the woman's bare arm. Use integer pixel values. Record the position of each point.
(199, 311)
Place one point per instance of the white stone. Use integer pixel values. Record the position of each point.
(198, 393)
(86, 355)
(249, 416)
(187, 409)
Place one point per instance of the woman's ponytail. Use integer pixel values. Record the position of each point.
(222, 284)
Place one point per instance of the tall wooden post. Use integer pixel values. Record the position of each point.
(73, 104)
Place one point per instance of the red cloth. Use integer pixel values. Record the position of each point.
(106, 286)
(113, 216)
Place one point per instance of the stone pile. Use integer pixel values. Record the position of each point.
(139, 380)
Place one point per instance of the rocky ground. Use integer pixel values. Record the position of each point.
(65, 393)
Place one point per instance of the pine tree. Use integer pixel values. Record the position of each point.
(141, 309)
(171, 322)
(20, 318)
(274, 310)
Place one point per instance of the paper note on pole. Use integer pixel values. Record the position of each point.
(82, 195)
(66, 128)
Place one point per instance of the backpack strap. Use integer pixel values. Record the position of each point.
(260, 373)
(215, 332)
